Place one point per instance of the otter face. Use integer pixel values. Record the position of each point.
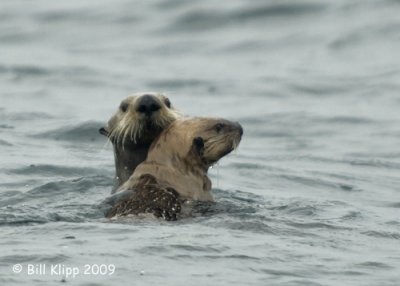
(218, 138)
(198, 142)
(140, 119)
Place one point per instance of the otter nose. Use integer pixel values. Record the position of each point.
(240, 130)
(148, 104)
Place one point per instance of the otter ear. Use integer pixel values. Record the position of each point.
(104, 131)
(198, 144)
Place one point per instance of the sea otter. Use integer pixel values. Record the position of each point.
(176, 167)
(139, 120)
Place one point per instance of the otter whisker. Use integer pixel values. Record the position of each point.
(106, 145)
(117, 134)
(135, 130)
(122, 133)
(138, 131)
(234, 144)
(114, 134)
(126, 133)
(130, 132)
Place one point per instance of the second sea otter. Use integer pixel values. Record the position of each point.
(176, 167)
(139, 119)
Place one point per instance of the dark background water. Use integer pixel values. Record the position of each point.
(311, 197)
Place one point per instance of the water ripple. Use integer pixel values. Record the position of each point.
(51, 170)
(203, 19)
(83, 132)
(382, 234)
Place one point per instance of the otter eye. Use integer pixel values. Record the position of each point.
(199, 143)
(123, 106)
(219, 126)
(167, 102)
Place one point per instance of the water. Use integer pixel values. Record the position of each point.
(311, 197)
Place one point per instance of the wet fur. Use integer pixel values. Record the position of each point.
(149, 197)
(132, 133)
(178, 162)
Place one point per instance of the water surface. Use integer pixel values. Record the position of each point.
(311, 197)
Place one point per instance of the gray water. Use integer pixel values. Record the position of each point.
(311, 197)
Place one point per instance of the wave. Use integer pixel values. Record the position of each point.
(202, 19)
(83, 132)
(51, 170)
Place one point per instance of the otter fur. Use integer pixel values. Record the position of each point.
(176, 167)
(139, 119)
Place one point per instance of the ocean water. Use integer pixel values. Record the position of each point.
(311, 196)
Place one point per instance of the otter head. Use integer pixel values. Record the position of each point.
(196, 142)
(140, 119)
(213, 139)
